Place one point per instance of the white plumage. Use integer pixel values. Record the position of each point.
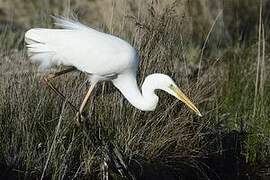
(79, 46)
(103, 57)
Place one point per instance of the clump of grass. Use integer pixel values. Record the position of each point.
(245, 97)
(37, 128)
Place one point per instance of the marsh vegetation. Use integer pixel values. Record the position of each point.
(217, 52)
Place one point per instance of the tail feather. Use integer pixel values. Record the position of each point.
(38, 49)
(42, 44)
(43, 59)
(70, 24)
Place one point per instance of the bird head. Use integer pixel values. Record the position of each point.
(165, 83)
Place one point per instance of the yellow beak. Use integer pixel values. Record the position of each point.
(182, 97)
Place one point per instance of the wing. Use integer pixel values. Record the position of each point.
(80, 46)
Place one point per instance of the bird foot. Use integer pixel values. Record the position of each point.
(79, 118)
(48, 77)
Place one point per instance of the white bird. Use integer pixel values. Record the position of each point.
(103, 57)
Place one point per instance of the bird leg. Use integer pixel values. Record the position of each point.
(79, 116)
(51, 76)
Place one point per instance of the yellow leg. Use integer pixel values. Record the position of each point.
(51, 76)
(85, 100)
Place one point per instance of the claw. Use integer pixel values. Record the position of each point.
(79, 118)
(50, 76)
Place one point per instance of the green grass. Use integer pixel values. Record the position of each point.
(237, 97)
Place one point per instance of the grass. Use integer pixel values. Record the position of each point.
(228, 82)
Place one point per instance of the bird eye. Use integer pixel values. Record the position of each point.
(172, 86)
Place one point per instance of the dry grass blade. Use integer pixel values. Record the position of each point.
(205, 42)
(53, 142)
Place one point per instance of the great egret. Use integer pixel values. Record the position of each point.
(103, 57)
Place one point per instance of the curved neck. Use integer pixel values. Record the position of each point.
(127, 84)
